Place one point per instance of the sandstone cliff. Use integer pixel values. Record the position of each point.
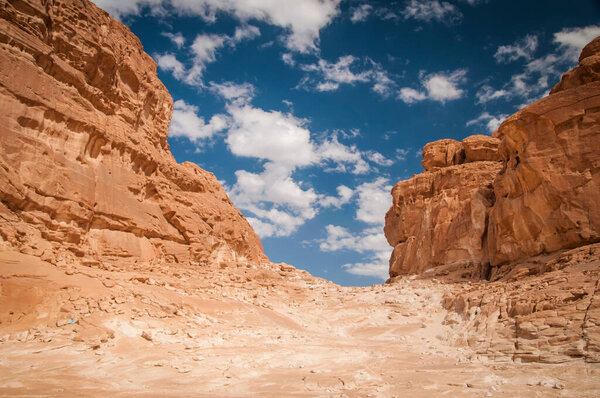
(518, 209)
(488, 202)
(85, 166)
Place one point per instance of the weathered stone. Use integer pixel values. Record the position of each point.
(84, 159)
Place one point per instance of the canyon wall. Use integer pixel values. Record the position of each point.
(486, 203)
(517, 215)
(85, 167)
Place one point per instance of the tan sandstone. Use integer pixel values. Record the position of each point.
(85, 167)
(529, 224)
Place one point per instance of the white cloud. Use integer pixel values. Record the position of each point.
(491, 122)
(523, 48)
(382, 84)
(204, 50)
(401, 153)
(328, 76)
(272, 135)
(169, 63)
(327, 86)
(331, 150)
(379, 159)
(371, 242)
(410, 95)
(176, 38)
(288, 59)
(120, 8)
(374, 200)
(335, 73)
(237, 94)
(432, 10)
(486, 94)
(245, 32)
(187, 123)
(302, 20)
(344, 196)
(441, 87)
(444, 86)
(361, 13)
(538, 74)
(574, 39)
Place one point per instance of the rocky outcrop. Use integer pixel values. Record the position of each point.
(85, 167)
(546, 310)
(439, 217)
(517, 214)
(469, 213)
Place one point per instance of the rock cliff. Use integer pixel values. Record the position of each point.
(517, 215)
(85, 167)
(485, 203)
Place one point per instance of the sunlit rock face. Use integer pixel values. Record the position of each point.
(517, 214)
(85, 167)
(439, 217)
(486, 202)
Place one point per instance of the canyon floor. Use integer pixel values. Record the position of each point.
(88, 329)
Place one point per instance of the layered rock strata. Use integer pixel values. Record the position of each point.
(487, 202)
(85, 167)
(517, 215)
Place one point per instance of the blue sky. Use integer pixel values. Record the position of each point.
(309, 111)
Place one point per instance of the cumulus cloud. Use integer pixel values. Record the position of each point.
(269, 135)
(523, 48)
(574, 39)
(432, 10)
(340, 157)
(187, 123)
(301, 20)
(176, 38)
(338, 72)
(119, 8)
(379, 159)
(441, 87)
(410, 95)
(373, 201)
(491, 122)
(360, 13)
(344, 196)
(169, 63)
(283, 142)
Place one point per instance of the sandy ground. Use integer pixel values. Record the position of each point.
(88, 329)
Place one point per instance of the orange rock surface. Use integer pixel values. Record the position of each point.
(85, 167)
(469, 211)
(517, 215)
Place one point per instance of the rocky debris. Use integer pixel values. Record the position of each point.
(85, 167)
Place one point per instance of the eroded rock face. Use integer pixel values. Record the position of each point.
(439, 217)
(547, 194)
(529, 225)
(84, 159)
(469, 211)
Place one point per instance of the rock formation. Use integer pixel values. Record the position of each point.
(487, 202)
(85, 167)
(518, 209)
